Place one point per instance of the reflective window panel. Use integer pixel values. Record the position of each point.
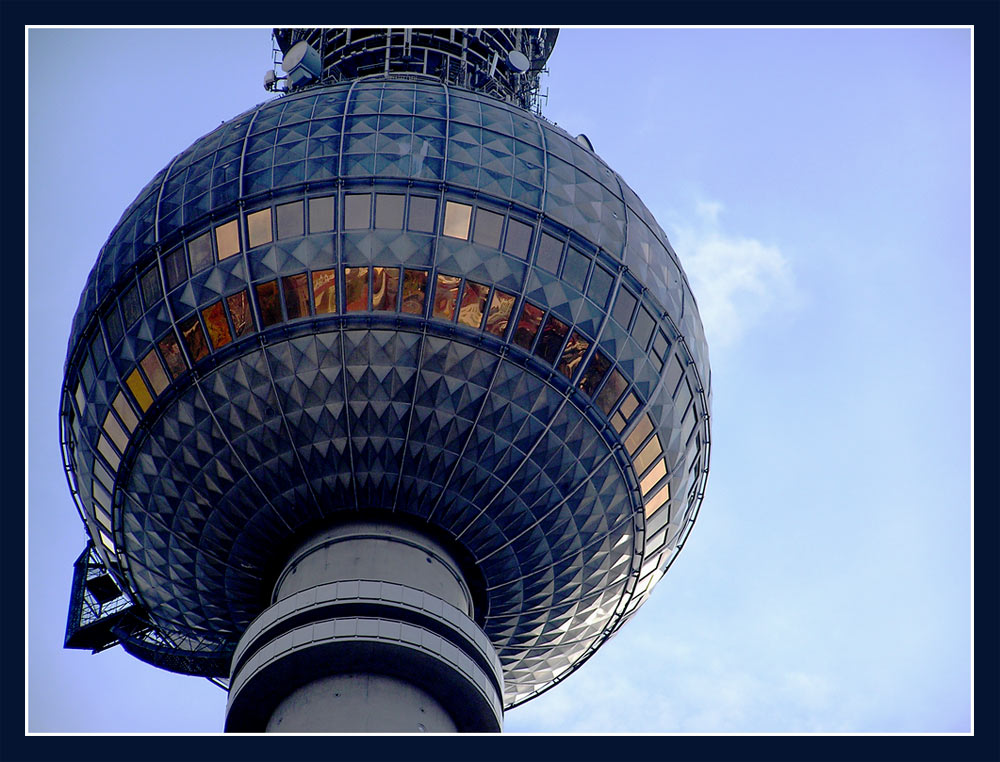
(289, 218)
(171, 350)
(473, 305)
(175, 268)
(422, 213)
(113, 322)
(456, 220)
(218, 327)
(296, 296)
(239, 312)
(139, 390)
(357, 211)
(624, 305)
(153, 369)
(258, 229)
(527, 326)
(125, 411)
(642, 331)
(414, 291)
(321, 214)
(518, 239)
(549, 253)
(594, 373)
(488, 228)
(131, 308)
(151, 290)
(445, 296)
(551, 340)
(498, 315)
(194, 337)
(269, 302)
(611, 392)
(355, 289)
(389, 211)
(600, 286)
(324, 284)
(575, 271)
(200, 252)
(576, 348)
(385, 288)
(227, 238)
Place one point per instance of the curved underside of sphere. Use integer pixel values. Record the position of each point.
(390, 297)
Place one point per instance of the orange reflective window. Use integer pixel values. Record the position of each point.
(258, 228)
(527, 325)
(171, 350)
(239, 312)
(138, 388)
(473, 304)
(576, 348)
(296, 295)
(227, 238)
(269, 302)
(446, 296)
(324, 283)
(218, 328)
(154, 371)
(355, 288)
(498, 315)
(552, 338)
(385, 287)
(414, 291)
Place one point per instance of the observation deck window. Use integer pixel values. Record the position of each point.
(289, 219)
(324, 285)
(414, 291)
(321, 214)
(227, 237)
(356, 284)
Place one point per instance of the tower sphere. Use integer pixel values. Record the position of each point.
(398, 300)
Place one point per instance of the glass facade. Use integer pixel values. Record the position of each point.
(401, 296)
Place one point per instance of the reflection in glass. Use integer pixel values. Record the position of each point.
(239, 311)
(321, 214)
(258, 229)
(270, 304)
(446, 295)
(629, 405)
(600, 286)
(657, 501)
(549, 253)
(487, 229)
(642, 331)
(324, 284)
(296, 295)
(218, 327)
(114, 430)
(102, 474)
(576, 348)
(227, 237)
(131, 309)
(661, 345)
(414, 291)
(456, 220)
(551, 340)
(642, 430)
(527, 326)
(289, 218)
(194, 337)
(422, 210)
(175, 268)
(518, 239)
(138, 388)
(154, 371)
(104, 447)
(151, 290)
(611, 392)
(389, 211)
(113, 322)
(171, 350)
(649, 481)
(200, 252)
(355, 288)
(594, 373)
(125, 411)
(470, 313)
(385, 287)
(647, 455)
(498, 315)
(357, 211)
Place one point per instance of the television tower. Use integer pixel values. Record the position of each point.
(387, 401)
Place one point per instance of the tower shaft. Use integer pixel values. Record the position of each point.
(370, 629)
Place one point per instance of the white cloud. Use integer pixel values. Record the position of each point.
(737, 280)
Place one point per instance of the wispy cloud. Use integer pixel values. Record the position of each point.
(737, 279)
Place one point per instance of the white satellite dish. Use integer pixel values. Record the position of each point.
(518, 61)
(302, 63)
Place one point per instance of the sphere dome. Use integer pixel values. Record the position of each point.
(388, 297)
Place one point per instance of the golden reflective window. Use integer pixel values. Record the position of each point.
(470, 313)
(414, 291)
(576, 348)
(630, 403)
(258, 229)
(647, 455)
(594, 373)
(101, 496)
(456, 220)
(551, 341)
(269, 302)
(227, 238)
(324, 284)
(104, 447)
(153, 368)
(102, 518)
(114, 430)
(106, 542)
(239, 312)
(611, 392)
(171, 350)
(657, 501)
(138, 388)
(446, 296)
(125, 411)
(527, 326)
(296, 290)
(618, 422)
(498, 316)
(649, 480)
(385, 288)
(355, 288)
(194, 337)
(218, 327)
(642, 430)
(78, 396)
(102, 474)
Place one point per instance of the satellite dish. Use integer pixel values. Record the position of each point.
(269, 79)
(518, 62)
(585, 142)
(302, 63)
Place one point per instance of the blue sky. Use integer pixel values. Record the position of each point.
(816, 185)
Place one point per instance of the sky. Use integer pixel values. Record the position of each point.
(816, 186)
